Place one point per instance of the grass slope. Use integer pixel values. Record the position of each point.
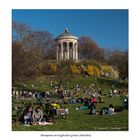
(81, 120)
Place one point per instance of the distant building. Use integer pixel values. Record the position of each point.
(67, 46)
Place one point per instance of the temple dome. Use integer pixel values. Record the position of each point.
(66, 35)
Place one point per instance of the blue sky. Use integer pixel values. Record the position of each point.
(109, 28)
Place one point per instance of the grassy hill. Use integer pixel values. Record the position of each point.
(79, 120)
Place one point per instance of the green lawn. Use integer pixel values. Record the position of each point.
(81, 120)
(44, 82)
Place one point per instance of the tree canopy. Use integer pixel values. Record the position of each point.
(31, 50)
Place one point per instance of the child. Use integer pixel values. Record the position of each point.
(28, 116)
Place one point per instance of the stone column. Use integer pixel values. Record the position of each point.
(76, 49)
(62, 50)
(68, 50)
(73, 51)
(57, 52)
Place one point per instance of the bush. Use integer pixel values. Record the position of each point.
(92, 70)
(74, 69)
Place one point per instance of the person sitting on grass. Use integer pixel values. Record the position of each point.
(92, 109)
(54, 104)
(125, 103)
(94, 100)
(28, 116)
(111, 109)
(66, 109)
(87, 104)
(37, 116)
(52, 113)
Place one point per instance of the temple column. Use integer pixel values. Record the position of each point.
(57, 52)
(73, 51)
(76, 51)
(68, 50)
(62, 51)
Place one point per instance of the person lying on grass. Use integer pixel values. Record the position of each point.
(105, 110)
(37, 116)
(108, 110)
(82, 108)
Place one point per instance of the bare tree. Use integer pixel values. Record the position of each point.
(29, 50)
(88, 49)
(119, 59)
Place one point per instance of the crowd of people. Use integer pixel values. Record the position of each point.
(92, 94)
(60, 91)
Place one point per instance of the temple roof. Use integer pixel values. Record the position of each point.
(66, 35)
